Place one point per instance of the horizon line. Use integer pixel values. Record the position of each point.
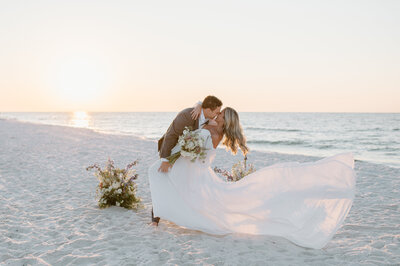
(339, 112)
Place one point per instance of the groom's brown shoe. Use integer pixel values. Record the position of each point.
(154, 220)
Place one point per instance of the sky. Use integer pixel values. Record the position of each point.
(262, 56)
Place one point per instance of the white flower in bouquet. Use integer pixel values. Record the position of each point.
(191, 146)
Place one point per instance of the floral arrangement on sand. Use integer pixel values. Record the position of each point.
(239, 170)
(117, 186)
(191, 146)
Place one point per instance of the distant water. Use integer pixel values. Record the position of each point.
(373, 137)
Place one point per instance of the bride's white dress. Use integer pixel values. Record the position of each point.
(302, 202)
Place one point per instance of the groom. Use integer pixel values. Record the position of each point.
(210, 108)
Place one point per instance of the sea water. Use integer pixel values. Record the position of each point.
(373, 137)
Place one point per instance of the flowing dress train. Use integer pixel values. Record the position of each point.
(303, 202)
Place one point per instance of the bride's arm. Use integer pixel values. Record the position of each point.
(197, 110)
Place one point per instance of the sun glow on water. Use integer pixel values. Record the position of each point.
(80, 119)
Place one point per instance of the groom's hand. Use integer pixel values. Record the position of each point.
(164, 167)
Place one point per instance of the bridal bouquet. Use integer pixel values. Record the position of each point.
(191, 146)
(239, 170)
(117, 186)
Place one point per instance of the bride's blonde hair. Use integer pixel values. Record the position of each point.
(233, 132)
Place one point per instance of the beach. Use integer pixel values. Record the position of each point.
(49, 214)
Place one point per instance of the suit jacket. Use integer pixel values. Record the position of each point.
(170, 138)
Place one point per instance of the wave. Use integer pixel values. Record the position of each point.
(286, 130)
(386, 149)
(294, 143)
(255, 128)
(272, 129)
(278, 142)
(367, 129)
(324, 147)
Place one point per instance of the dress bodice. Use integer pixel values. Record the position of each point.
(206, 136)
(208, 144)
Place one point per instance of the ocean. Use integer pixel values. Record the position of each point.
(373, 137)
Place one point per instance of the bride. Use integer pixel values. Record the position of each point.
(303, 202)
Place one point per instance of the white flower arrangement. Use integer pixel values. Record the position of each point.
(117, 186)
(239, 170)
(191, 147)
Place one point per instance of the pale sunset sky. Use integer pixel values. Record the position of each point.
(270, 56)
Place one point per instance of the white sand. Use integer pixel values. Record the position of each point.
(48, 212)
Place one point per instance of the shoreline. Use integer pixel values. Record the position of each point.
(144, 138)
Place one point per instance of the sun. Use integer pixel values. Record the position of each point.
(77, 82)
(80, 119)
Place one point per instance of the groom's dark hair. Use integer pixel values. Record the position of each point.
(211, 102)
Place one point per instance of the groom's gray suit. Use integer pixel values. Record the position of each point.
(170, 138)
